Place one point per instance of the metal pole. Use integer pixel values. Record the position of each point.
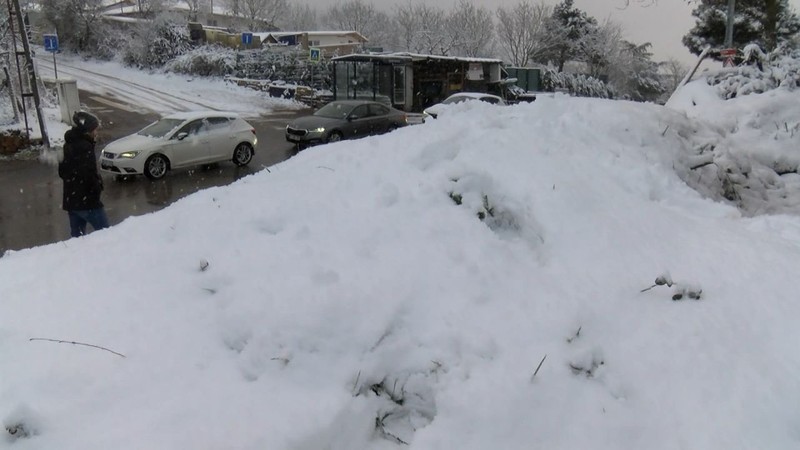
(729, 26)
(55, 68)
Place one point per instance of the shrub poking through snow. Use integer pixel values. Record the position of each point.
(680, 291)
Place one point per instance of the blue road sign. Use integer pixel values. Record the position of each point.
(51, 42)
(247, 38)
(313, 54)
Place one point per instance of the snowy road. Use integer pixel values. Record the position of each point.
(143, 92)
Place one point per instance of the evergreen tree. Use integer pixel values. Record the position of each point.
(763, 22)
(570, 26)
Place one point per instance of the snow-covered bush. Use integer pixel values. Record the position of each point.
(208, 60)
(576, 84)
(781, 68)
(155, 43)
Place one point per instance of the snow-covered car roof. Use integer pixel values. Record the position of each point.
(192, 115)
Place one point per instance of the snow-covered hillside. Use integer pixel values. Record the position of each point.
(478, 281)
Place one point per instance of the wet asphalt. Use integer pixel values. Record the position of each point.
(30, 190)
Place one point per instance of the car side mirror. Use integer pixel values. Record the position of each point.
(182, 135)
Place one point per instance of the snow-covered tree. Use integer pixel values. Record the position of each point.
(298, 17)
(570, 26)
(522, 32)
(763, 22)
(357, 15)
(601, 47)
(157, 42)
(472, 29)
(641, 80)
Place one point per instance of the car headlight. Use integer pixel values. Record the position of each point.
(318, 130)
(127, 155)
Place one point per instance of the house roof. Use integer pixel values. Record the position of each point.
(278, 34)
(411, 57)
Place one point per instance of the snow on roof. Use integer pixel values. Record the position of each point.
(278, 34)
(415, 57)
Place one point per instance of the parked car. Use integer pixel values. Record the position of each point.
(345, 119)
(516, 94)
(460, 97)
(181, 140)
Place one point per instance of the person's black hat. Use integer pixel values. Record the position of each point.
(85, 122)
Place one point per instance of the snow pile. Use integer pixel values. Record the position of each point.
(748, 152)
(478, 281)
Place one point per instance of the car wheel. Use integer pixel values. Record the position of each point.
(243, 154)
(156, 167)
(335, 136)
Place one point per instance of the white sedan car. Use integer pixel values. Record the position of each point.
(460, 97)
(181, 140)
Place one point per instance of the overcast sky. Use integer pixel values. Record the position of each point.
(663, 24)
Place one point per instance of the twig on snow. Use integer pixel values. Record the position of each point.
(538, 367)
(77, 343)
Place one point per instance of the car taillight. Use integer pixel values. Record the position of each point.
(405, 119)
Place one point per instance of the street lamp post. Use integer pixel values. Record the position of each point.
(729, 26)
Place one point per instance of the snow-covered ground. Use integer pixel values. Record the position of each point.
(403, 291)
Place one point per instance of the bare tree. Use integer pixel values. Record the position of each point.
(522, 31)
(674, 71)
(263, 10)
(299, 17)
(77, 22)
(356, 15)
(150, 8)
(234, 6)
(422, 29)
(472, 29)
(194, 9)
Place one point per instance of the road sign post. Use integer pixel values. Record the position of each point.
(728, 54)
(51, 45)
(247, 39)
(314, 55)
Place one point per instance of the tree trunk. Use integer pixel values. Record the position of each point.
(772, 9)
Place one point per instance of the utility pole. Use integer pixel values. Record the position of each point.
(15, 11)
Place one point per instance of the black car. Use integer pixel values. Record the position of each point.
(345, 119)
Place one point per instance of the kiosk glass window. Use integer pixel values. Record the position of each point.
(399, 85)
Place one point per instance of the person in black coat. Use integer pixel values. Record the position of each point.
(82, 182)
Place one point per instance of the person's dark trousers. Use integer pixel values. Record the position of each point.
(78, 219)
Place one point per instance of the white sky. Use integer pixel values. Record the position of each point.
(348, 276)
(662, 24)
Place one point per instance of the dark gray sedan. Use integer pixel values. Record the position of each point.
(345, 119)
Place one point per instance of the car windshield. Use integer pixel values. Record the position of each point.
(160, 128)
(335, 110)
